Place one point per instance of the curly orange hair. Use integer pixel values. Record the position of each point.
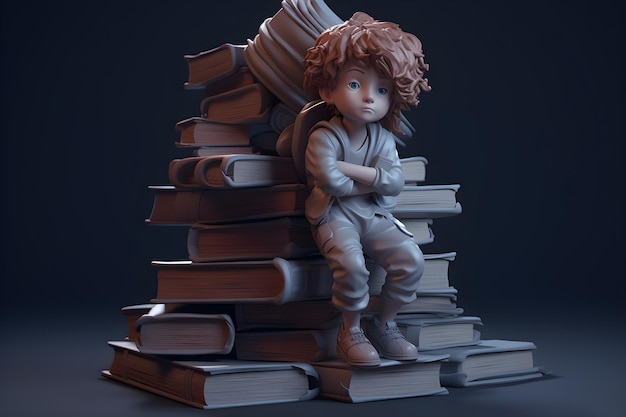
(397, 55)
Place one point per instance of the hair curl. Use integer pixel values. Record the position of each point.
(395, 54)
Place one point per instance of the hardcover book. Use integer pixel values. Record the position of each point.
(489, 362)
(165, 333)
(213, 65)
(389, 380)
(212, 384)
(176, 206)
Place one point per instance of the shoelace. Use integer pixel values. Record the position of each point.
(359, 337)
(394, 332)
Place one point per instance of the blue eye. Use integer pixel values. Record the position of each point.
(353, 85)
(382, 91)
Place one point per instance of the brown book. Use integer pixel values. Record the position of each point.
(285, 237)
(175, 206)
(132, 313)
(277, 281)
(315, 314)
(240, 78)
(265, 281)
(245, 105)
(171, 333)
(287, 345)
(213, 65)
(389, 380)
(198, 131)
(212, 383)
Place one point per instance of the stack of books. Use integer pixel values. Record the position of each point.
(247, 317)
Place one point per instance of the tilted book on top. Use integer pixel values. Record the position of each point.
(214, 65)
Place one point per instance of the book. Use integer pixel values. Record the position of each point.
(198, 131)
(434, 278)
(414, 169)
(284, 237)
(427, 201)
(213, 65)
(431, 332)
(264, 281)
(176, 206)
(390, 380)
(489, 362)
(294, 345)
(443, 304)
(165, 333)
(222, 150)
(240, 78)
(131, 314)
(245, 105)
(215, 383)
(420, 229)
(245, 171)
(308, 314)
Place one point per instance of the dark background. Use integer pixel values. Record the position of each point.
(526, 113)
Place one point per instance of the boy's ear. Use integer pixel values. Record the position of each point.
(326, 95)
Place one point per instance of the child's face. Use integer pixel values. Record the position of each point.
(361, 94)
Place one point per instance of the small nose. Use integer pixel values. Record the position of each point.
(368, 98)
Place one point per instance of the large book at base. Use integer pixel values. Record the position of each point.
(389, 380)
(489, 362)
(213, 384)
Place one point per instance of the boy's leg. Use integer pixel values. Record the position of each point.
(403, 260)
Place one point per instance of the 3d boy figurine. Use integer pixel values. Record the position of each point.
(367, 71)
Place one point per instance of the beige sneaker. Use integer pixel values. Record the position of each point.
(353, 346)
(389, 341)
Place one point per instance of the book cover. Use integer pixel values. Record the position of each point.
(284, 237)
(212, 384)
(198, 131)
(264, 281)
(245, 105)
(177, 206)
(287, 345)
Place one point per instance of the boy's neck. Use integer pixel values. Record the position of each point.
(356, 131)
